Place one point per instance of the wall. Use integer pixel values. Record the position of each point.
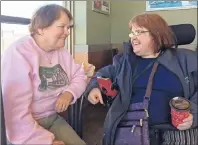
(98, 26)
(92, 34)
(96, 32)
(122, 12)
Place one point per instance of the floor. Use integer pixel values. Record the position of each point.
(93, 119)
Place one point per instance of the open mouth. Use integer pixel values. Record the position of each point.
(135, 43)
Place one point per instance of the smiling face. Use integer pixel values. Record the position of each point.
(141, 41)
(150, 34)
(54, 35)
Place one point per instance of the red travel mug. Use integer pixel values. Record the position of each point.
(180, 109)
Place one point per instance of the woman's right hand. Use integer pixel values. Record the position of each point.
(56, 142)
(95, 96)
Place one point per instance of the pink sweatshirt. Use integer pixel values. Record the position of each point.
(31, 86)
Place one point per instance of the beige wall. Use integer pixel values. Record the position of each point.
(91, 28)
(98, 27)
(98, 31)
(122, 12)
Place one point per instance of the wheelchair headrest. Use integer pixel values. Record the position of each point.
(185, 33)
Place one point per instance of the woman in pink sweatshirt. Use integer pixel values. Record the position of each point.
(41, 79)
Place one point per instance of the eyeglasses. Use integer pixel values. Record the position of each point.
(137, 33)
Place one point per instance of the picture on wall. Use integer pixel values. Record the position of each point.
(152, 5)
(101, 6)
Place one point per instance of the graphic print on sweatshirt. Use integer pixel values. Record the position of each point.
(52, 78)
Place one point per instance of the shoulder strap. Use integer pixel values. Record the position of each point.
(150, 82)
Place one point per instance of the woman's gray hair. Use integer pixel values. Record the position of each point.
(45, 16)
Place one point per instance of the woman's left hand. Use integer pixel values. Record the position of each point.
(63, 101)
(187, 123)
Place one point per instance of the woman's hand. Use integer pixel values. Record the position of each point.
(95, 96)
(187, 123)
(63, 101)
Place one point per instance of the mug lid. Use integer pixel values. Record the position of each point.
(180, 103)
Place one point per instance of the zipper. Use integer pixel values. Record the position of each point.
(134, 126)
(187, 77)
(184, 74)
(147, 114)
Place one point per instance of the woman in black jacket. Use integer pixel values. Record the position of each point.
(151, 41)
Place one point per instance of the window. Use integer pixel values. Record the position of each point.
(10, 33)
(18, 13)
(23, 9)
